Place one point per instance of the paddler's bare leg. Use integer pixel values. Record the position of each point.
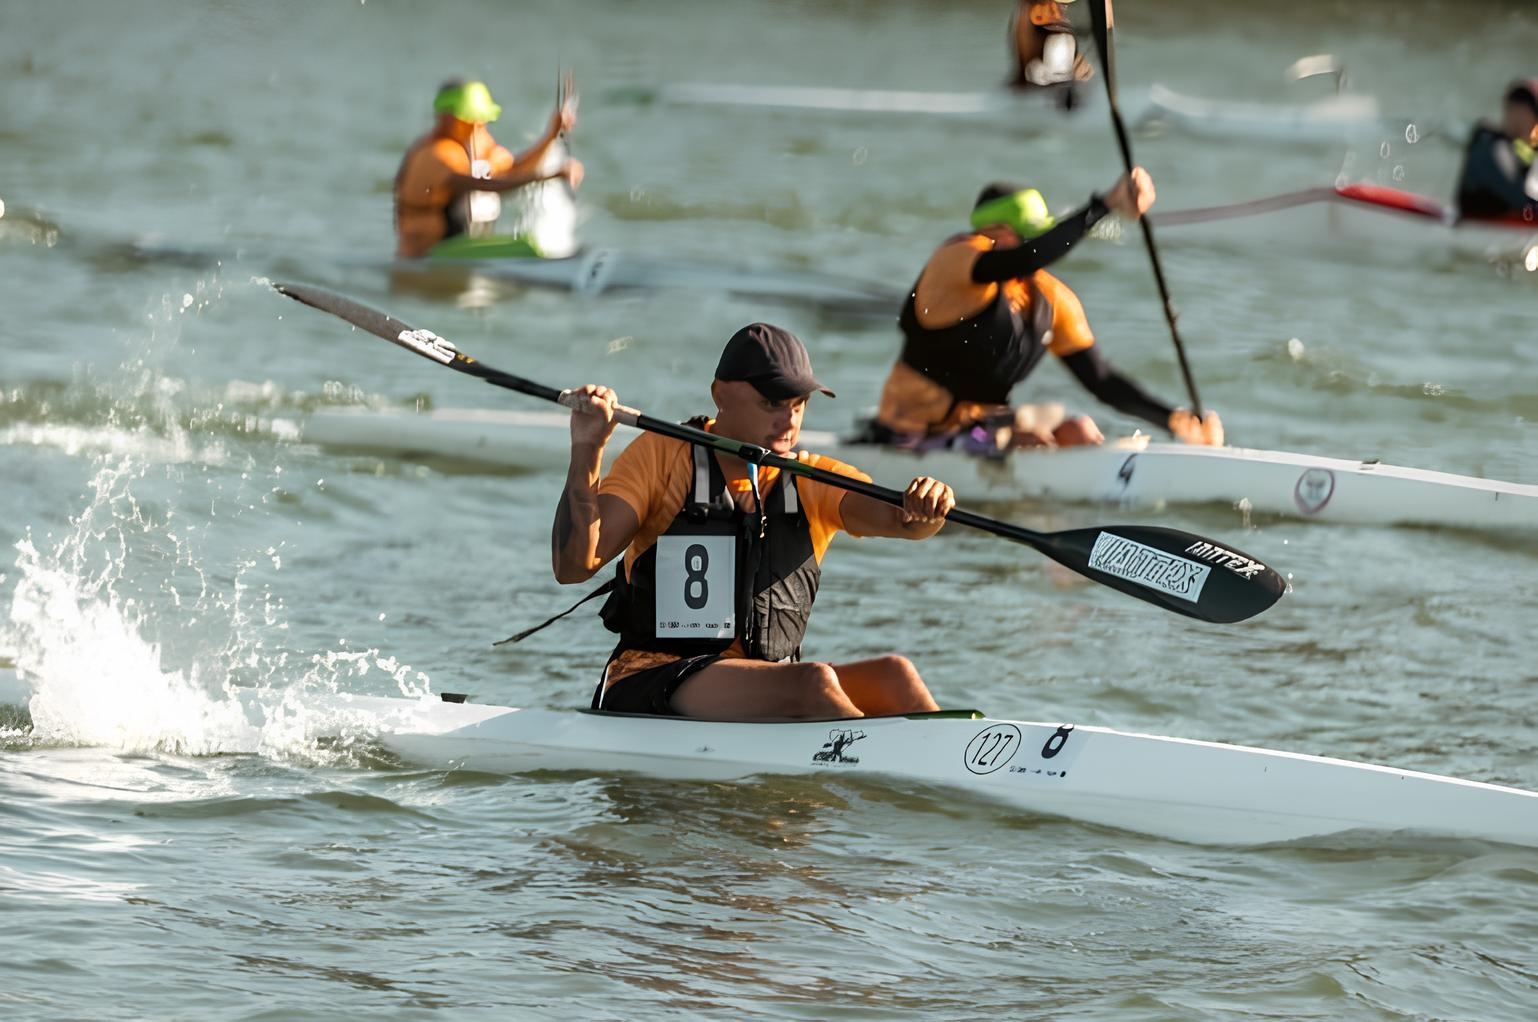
(1046, 426)
(754, 690)
(1078, 430)
(885, 686)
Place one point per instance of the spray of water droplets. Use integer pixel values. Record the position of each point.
(127, 639)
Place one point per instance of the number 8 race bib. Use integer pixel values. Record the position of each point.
(696, 587)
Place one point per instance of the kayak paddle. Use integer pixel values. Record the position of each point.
(1175, 570)
(1103, 21)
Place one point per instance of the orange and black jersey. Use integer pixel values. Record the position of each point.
(655, 476)
(424, 189)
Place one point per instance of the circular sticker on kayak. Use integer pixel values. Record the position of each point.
(1314, 490)
(992, 748)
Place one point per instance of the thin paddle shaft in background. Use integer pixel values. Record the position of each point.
(1175, 570)
(1103, 21)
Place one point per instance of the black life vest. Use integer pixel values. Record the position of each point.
(1492, 181)
(982, 357)
(776, 575)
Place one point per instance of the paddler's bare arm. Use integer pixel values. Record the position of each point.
(590, 530)
(522, 174)
(926, 502)
(562, 120)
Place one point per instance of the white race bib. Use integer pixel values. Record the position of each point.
(485, 207)
(696, 587)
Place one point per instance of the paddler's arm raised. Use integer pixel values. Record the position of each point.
(562, 120)
(589, 530)
(522, 174)
(1130, 198)
(926, 502)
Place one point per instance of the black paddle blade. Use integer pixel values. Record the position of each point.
(359, 315)
(380, 324)
(1173, 569)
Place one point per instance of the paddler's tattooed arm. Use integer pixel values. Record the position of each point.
(574, 537)
(590, 528)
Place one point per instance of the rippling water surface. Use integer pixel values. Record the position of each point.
(162, 856)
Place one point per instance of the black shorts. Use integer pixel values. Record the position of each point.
(651, 691)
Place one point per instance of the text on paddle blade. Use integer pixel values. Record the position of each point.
(1148, 567)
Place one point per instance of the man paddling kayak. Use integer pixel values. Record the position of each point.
(447, 182)
(721, 557)
(1499, 179)
(1044, 48)
(981, 315)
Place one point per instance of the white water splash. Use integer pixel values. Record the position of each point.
(87, 605)
(96, 681)
(548, 211)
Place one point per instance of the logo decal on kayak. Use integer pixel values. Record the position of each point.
(1124, 474)
(992, 748)
(1148, 567)
(1244, 566)
(1314, 490)
(425, 342)
(1059, 749)
(832, 750)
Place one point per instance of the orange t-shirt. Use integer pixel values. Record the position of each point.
(945, 295)
(423, 188)
(654, 475)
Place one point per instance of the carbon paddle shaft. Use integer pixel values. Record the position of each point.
(1176, 570)
(1103, 21)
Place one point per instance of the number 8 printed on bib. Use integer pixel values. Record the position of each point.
(696, 587)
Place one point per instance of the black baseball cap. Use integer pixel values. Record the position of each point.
(773, 360)
(1525, 91)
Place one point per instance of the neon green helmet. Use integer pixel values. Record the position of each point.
(467, 101)
(1024, 210)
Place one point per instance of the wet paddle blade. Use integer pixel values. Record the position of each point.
(1172, 569)
(423, 342)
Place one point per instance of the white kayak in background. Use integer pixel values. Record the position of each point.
(1388, 222)
(1332, 119)
(596, 271)
(1029, 109)
(1134, 472)
(1337, 118)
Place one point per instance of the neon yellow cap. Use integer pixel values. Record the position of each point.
(468, 101)
(1025, 211)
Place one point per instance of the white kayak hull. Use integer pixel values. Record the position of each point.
(1338, 118)
(1202, 792)
(1130, 473)
(592, 272)
(1334, 119)
(1033, 109)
